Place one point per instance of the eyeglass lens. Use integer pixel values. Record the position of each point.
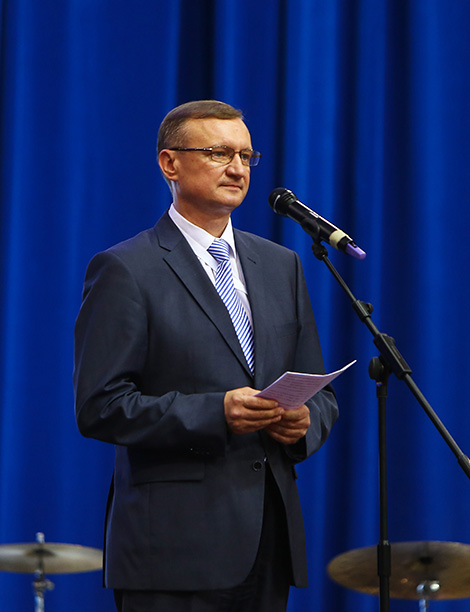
(225, 155)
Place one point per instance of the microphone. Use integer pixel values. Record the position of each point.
(285, 203)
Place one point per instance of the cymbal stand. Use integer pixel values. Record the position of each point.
(427, 589)
(379, 372)
(41, 584)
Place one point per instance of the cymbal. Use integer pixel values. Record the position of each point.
(412, 564)
(50, 558)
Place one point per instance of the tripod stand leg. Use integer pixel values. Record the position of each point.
(39, 602)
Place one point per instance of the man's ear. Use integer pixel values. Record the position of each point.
(166, 161)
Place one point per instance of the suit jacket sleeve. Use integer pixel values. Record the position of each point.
(111, 345)
(323, 406)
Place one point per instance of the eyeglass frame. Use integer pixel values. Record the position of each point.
(255, 155)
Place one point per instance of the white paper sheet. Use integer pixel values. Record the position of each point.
(293, 389)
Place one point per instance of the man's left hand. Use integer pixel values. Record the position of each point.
(292, 426)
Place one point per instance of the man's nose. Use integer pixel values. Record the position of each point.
(235, 165)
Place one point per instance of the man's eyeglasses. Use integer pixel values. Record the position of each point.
(224, 155)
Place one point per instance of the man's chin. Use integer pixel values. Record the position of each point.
(231, 204)
(232, 197)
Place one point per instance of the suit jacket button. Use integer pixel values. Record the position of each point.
(257, 466)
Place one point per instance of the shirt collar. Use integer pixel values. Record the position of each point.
(198, 236)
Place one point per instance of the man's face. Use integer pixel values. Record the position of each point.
(204, 186)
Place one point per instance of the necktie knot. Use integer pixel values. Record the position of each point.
(219, 250)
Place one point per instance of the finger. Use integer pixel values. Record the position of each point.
(289, 429)
(297, 414)
(242, 413)
(283, 439)
(262, 415)
(244, 426)
(259, 403)
(294, 425)
(285, 435)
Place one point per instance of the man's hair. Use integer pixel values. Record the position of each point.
(172, 130)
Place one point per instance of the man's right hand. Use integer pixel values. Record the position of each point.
(246, 413)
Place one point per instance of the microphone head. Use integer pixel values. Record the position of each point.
(280, 199)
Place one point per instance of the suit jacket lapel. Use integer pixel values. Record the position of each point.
(182, 260)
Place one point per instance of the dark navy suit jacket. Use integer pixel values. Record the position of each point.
(155, 353)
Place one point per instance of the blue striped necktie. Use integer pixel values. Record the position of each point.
(219, 250)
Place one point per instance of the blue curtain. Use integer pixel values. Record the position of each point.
(361, 108)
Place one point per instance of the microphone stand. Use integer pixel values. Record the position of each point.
(390, 361)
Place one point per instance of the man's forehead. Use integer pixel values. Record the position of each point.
(212, 126)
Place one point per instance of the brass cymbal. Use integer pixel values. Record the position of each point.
(445, 564)
(50, 558)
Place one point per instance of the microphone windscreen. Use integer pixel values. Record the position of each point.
(280, 200)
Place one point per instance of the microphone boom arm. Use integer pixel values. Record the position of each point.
(390, 360)
(391, 356)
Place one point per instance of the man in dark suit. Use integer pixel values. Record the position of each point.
(203, 514)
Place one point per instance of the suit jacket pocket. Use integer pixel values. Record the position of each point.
(168, 472)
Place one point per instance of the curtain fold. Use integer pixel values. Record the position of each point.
(361, 108)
